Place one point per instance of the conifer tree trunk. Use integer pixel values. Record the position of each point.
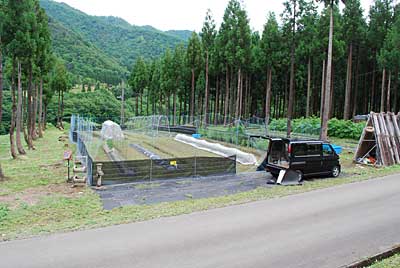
(137, 105)
(19, 113)
(141, 103)
(383, 90)
(395, 93)
(174, 107)
(192, 99)
(237, 109)
(346, 113)
(59, 109)
(268, 97)
(24, 112)
(62, 110)
(206, 93)
(322, 108)
(30, 110)
(45, 118)
(388, 92)
(1, 84)
(366, 95)
(241, 97)
(327, 101)
(356, 89)
(308, 88)
(35, 111)
(373, 103)
(40, 119)
(1, 96)
(14, 113)
(167, 104)
(292, 74)
(226, 104)
(216, 106)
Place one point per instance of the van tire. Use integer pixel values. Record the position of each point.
(335, 171)
(301, 175)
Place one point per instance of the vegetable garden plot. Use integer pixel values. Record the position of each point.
(137, 156)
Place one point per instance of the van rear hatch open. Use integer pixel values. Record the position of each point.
(277, 156)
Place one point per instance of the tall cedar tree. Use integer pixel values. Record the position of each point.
(138, 81)
(389, 59)
(380, 17)
(328, 81)
(194, 61)
(353, 25)
(2, 15)
(208, 34)
(290, 16)
(178, 63)
(59, 83)
(20, 46)
(308, 43)
(270, 55)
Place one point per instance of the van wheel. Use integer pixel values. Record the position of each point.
(301, 175)
(335, 171)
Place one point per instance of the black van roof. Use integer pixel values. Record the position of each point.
(297, 140)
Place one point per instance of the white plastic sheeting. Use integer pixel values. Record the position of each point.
(216, 148)
(111, 131)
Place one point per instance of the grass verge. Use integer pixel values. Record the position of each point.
(392, 262)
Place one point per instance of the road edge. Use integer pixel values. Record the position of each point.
(378, 257)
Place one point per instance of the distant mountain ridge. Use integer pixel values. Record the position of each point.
(104, 48)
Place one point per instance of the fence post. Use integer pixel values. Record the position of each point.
(195, 165)
(151, 169)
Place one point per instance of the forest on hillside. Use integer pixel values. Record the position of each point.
(102, 49)
(285, 71)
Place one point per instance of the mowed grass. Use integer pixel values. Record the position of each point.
(392, 262)
(36, 200)
(39, 167)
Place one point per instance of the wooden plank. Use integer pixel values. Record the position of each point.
(386, 140)
(390, 128)
(379, 150)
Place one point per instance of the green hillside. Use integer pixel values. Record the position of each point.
(84, 60)
(114, 43)
(182, 34)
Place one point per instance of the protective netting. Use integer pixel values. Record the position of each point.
(111, 131)
(153, 125)
(144, 150)
(144, 170)
(216, 148)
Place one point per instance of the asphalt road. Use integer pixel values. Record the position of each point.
(326, 228)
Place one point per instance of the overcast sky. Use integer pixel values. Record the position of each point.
(179, 14)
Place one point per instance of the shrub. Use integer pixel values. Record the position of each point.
(309, 126)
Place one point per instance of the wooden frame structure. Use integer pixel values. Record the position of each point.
(382, 137)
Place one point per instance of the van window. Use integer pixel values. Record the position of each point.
(327, 150)
(299, 149)
(314, 149)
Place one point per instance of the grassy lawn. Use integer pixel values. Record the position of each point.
(36, 200)
(392, 262)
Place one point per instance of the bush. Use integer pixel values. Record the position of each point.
(308, 126)
(99, 105)
(344, 129)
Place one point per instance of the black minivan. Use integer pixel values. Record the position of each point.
(307, 157)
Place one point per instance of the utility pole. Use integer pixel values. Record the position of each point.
(122, 104)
